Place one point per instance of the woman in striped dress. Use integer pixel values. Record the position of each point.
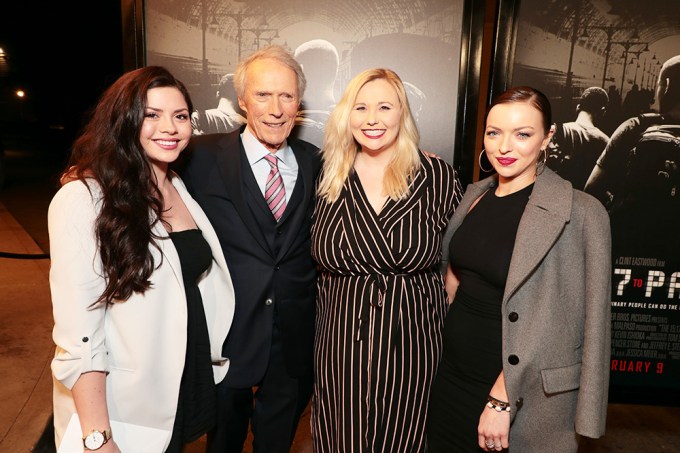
(382, 207)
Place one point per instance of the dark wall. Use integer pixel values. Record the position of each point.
(63, 54)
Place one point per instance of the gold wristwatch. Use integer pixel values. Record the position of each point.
(96, 439)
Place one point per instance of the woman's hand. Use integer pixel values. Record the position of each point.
(493, 430)
(451, 284)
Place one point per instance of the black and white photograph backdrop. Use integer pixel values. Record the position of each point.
(599, 62)
(201, 41)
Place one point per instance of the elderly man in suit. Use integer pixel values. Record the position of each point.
(257, 187)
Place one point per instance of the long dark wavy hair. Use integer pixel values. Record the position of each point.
(109, 152)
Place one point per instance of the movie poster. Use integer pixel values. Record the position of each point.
(599, 63)
(201, 41)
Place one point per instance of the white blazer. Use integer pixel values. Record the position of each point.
(140, 343)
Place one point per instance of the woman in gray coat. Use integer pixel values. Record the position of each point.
(527, 338)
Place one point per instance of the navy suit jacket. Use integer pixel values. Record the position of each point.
(271, 266)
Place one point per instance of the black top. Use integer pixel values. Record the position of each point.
(480, 255)
(481, 248)
(196, 407)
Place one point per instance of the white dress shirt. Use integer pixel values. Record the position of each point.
(255, 152)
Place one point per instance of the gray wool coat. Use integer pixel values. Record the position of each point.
(556, 315)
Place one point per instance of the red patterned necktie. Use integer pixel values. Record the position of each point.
(274, 192)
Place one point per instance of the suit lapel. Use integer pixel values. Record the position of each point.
(544, 218)
(257, 201)
(169, 253)
(295, 199)
(230, 162)
(298, 208)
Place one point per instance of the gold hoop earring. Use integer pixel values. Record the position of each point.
(540, 165)
(480, 162)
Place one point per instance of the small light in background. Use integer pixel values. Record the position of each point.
(20, 93)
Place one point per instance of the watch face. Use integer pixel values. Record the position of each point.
(94, 440)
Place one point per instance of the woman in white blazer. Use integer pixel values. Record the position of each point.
(141, 293)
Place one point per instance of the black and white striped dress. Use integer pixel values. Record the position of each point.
(380, 311)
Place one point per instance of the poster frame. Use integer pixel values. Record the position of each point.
(134, 56)
(508, 16)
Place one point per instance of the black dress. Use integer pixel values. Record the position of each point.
(480, 254)
(196, 407)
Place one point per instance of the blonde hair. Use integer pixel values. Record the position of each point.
(340, 148)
